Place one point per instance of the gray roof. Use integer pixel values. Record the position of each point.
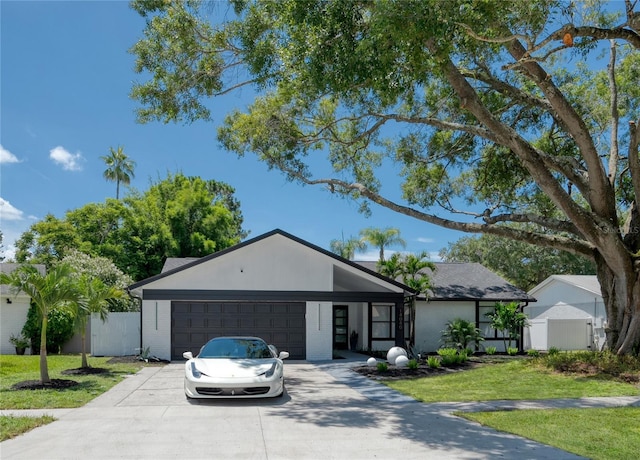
(9, 268)
(175, 262)
(468, 281)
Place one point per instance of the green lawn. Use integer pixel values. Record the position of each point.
(14, 369)
(518, 379)
(11, 427)
(611, 433)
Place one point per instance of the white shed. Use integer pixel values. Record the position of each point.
(569, 314)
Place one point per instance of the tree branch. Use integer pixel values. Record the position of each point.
(574, 246)
(615, 116)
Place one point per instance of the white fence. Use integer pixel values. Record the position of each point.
(564, 334)
(118, 336)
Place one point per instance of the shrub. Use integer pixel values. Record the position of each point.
(383, 367)
(511, 351)
(533, 353)
(433, 362)
(451, 356)
(491, 350)
(461, 333)
(553, 351)
(412, 364)
(60, 329)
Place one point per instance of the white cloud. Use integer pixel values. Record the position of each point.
(8, 212)
(7, 157)
(68, 161)
(425, 240)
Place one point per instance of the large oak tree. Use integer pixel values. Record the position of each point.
(473, 115)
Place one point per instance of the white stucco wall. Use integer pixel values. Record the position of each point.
(156, 327)
(274, 264)
(319, 331)
(12, 318)
(432, 318)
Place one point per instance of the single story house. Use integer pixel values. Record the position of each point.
(306, 300)
(569, 314)
(13, 310)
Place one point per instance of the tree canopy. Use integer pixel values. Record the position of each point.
(178, 216)
(490, 113)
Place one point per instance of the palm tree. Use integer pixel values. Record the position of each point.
(382, 238)
(95, 299)
(53, 290)
(393, 267)
(348, 248)
(119, 168)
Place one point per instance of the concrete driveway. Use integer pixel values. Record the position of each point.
(327, 412)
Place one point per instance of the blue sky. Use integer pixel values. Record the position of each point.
(65, 77)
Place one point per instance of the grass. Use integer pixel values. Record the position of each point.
(518, 379)
(11, 426)
(14, 369)
(611, 433)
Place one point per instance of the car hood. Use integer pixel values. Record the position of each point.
(229, 368)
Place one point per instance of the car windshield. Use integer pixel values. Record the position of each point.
(231, 348)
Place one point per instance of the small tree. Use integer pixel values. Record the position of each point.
(55, 289)
(460, 333)
(95, 297)
(507, 319)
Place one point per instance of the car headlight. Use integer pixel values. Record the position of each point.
(194, 370)
(272, 370)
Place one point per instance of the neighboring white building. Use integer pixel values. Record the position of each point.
(569, 314)
(13, 311)
(305, 300)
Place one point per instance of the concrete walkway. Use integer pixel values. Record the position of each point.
(328, 412)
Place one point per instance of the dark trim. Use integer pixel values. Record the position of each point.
(262, 237)
(288, 296)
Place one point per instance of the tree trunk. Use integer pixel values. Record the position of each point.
(44, 368)
(621, 295)
(84, 354)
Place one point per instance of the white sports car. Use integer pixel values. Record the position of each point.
(235, 367)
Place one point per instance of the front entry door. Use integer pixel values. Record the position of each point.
(340, 327)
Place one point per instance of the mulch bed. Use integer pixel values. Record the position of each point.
(423, 370)
(55, 384)
(136, 359)
(85, 371)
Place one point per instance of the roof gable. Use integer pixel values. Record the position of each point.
(307, 255)
(587, 283)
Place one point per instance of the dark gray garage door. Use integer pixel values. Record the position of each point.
(280, 324)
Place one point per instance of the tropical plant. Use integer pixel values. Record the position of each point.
(49, 291)
(451, 356)
(461, 333)
(382, 238)
(119, 168)
(476, 116)
(95, 297)
(508, 320)
(411, 268)
(19, 341)
(433, 362)
(347, 248)
(491, 350)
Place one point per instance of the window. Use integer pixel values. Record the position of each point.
(383, 321)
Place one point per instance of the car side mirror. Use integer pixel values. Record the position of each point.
(187, 355)
(283, 355)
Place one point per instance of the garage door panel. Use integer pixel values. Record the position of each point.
(281, 324)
